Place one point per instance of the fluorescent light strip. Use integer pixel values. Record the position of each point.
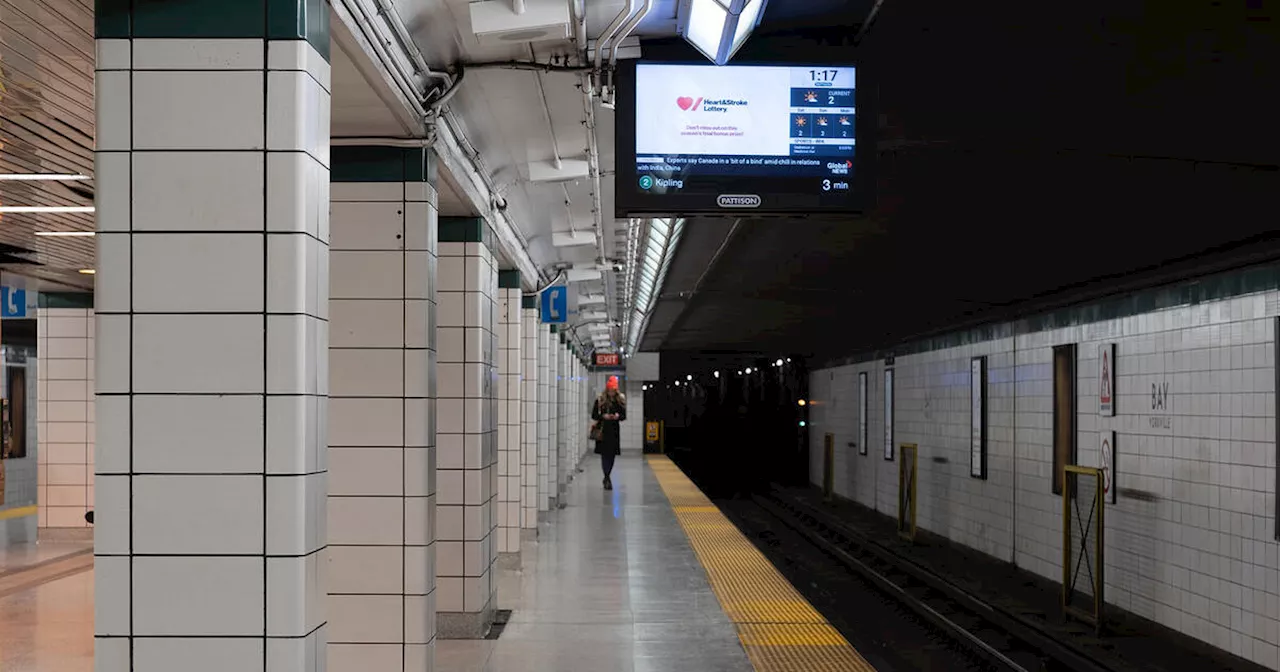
(32, 177)
(66, 234)
(45, 208)
(88, 271)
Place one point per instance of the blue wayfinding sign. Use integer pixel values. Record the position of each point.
(13, 302)
(555, 305)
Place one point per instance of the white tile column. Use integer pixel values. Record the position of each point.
(65, 432)
(546, 387)
(467, 433)
(382, 455)
(510, 366)
(562, 413)
(555, 356)
(212, 195)
(529, 416)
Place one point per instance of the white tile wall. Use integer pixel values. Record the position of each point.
(65, 413)
(510, 412)
(468, 431)
(564, 426)
(555, 353)
(382, 453)
(1199, 557)
(529, 419)
(546, 388)
(182, 172)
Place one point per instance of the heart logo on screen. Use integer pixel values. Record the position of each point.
(686, 103)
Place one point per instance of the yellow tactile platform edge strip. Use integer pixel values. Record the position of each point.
(779, 629)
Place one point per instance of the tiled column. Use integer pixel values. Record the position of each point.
(509, 413)
(65, 421)
(382, 439)
(212, 173)
(575, 408)
(468, 279)
(546, 382)
(553, 410)
(529, 416)
(562, 410)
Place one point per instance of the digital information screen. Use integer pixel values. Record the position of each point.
(774, 138)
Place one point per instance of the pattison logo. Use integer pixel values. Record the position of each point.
(738, 201)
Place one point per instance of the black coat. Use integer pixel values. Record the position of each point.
(611, 444)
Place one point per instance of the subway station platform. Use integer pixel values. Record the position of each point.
(647, 577)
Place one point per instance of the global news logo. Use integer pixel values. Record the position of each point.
(840, 168)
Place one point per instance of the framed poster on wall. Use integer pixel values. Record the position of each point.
(888, 414)
(978, 417)
(862, 413)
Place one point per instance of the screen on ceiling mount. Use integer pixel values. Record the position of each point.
(736, 139)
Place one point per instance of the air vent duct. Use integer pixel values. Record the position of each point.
(493, 21)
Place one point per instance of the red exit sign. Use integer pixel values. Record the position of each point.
(608, 359)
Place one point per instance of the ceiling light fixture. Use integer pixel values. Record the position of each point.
(66, 234)
(45, 208)
(88, 271)
(718, 28)
(34, 177)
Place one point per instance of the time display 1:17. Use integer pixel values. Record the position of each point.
(823, 75)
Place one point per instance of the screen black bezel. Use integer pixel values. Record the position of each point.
(629, 203)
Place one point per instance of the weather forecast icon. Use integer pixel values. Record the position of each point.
(801, 121)
(844, 121)
(822, 121)
(810, 96)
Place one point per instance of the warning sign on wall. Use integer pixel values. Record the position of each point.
(1107, 379)
(1107, 448)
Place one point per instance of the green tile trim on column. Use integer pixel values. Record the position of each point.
(300, 20)
(112, 19)
(508, 279)
(465, 230)
(64, 300)
(529, 301)
(363, 163)
(216, 19)
(553, 328)
(419, 165)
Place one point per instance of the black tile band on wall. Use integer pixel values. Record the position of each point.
(382, 164)
(466, 230)
(224, 19)
(509, 279)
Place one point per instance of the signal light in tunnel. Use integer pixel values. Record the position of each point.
(689, 377)
(802, 402)
(802, 423)
(717, 374)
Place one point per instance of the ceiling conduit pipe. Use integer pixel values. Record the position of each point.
(626, 31)
(517, 6)
(609, 32)
(580, 25)
(606, 91)
(364, 20)
(392, 17)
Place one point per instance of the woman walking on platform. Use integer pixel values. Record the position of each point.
(607, 411)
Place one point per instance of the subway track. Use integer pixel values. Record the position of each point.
(898, 615)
